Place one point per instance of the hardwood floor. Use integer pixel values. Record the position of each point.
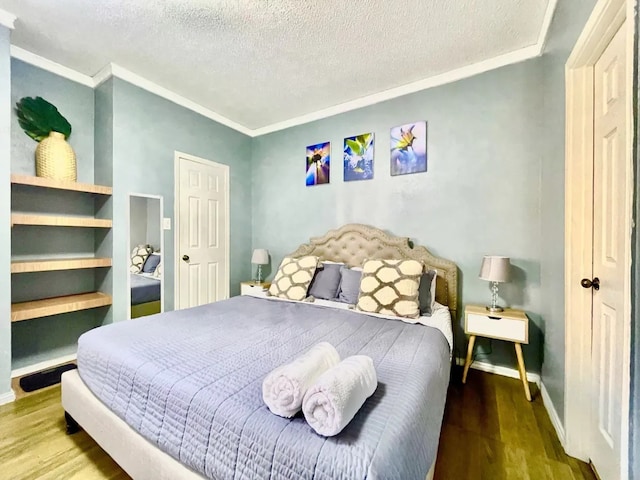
(490, 432)
(34, 445)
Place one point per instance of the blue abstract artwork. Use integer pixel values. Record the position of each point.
(318, 163)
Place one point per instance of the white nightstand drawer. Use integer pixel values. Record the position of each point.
(497, 327)
(250, 288)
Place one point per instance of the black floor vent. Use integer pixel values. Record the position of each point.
(45, 378)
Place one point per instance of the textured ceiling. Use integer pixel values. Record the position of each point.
(259, 62)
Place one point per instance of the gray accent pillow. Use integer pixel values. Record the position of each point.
(151, 263)
(427, 292)
(326, 282)
(349, 285)
(138, 257)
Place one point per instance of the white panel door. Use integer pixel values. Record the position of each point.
(202, 247)
(609, 250)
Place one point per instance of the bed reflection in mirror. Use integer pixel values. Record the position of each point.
(146, 246)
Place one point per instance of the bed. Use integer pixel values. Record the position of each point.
(145, 294)
(169, 405)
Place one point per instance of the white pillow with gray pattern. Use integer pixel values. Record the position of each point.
(294, 277)
(138, 256)
(390, 287)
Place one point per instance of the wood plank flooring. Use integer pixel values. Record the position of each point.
(490, 432)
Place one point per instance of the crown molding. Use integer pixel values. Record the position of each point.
(138, 81)
(430, 82)
(7, 19)
(114, 70)
(51, 66)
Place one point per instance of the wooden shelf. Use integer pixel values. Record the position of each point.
(43, 265)
(57, 305)
(59, 221)
(60, 184)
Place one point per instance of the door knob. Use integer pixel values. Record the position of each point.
(185, 258)
(586, 283)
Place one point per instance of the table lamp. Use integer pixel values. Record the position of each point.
(495, 269)
(260, 257)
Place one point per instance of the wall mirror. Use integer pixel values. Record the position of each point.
(146, 247)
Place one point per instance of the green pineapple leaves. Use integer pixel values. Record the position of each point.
(38, 118)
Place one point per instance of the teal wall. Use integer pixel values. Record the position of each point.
(74, 101)
(5, 213)
(568, 22)
(481, 194)
(495, 185)
(147, 130)
(42, 339)
(103, 173)
(132, 135)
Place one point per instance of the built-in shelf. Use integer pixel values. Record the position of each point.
(60, 184)
(49, 265)
(59, 221)
(54, 306)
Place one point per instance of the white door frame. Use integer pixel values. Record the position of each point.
(176, 227)
(157, 197)
(605, 21)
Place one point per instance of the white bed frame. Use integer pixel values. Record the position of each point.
(143, 460)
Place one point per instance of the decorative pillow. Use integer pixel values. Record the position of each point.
(349, 285)
(158, 272)
(294, 277)
(427, 291)
(151, 263)
(390, 287)
(138, 257)
(326, 281)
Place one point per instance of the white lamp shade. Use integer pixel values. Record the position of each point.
(260, 256)
(495, 269)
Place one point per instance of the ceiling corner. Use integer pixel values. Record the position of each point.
(102, 76)
(7, 19)
(546, 25)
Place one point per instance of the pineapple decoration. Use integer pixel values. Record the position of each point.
(45, 124)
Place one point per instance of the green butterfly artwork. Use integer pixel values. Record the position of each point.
(358, 157)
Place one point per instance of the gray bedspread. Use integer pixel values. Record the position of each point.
(190, 382)
(144, 289)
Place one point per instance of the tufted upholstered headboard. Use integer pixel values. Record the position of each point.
(353, 243)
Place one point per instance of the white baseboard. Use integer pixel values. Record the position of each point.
(553, 414)
(7, 397)
(36, 367)
(500, 370)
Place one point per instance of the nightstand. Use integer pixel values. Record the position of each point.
(510, 325)
(253, 288)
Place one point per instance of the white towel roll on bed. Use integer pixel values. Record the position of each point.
(332, 402)
(284, 388)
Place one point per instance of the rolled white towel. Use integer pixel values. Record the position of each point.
(284, 388)
(332, 402)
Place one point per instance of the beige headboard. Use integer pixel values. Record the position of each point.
(353, 243)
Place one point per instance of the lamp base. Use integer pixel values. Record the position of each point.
(494, 309)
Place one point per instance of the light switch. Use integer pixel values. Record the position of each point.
(166, 223)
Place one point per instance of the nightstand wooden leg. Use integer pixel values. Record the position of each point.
(467, 362)
(523, 371)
